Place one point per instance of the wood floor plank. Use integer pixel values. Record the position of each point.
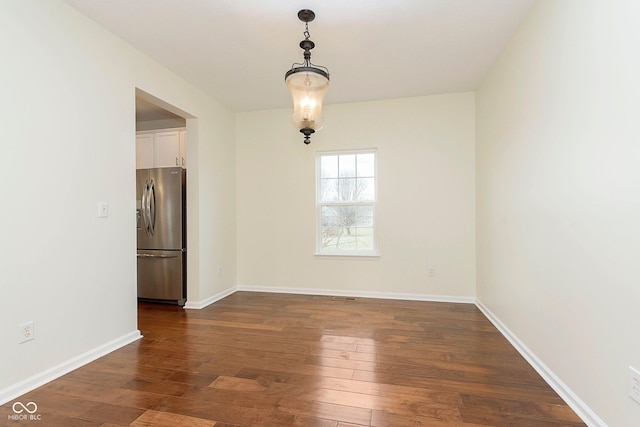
(324, 410)
(386, 419)
(155, 386)
(474, 407)
(237, 384)
(165, 419)
(233, 324)
(261, 359)
(107, 413)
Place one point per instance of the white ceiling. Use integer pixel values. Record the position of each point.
(238, 50)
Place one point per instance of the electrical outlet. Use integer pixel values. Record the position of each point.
(634, 384)
(431, 272)
(219, 271)
(26, 332)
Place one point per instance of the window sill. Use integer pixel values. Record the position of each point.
(348, 255)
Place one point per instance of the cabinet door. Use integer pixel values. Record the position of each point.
(183, 149)
(166, 149)
(144, 151)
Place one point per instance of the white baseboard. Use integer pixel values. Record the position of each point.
(361, 294)
(197, 305)
(579, 407)
(42, 378)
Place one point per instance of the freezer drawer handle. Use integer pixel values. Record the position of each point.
(158, 256)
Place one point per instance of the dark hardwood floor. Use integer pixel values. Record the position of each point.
(259, 359)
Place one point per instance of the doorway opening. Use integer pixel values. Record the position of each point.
(161, 201)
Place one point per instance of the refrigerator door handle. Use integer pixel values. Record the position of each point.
(147, 207)
(151, 205)
(143, 208)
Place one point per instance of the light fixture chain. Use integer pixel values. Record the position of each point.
(306, 31)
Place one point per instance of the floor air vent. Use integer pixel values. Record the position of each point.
(344, 299)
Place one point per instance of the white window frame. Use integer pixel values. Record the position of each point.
(320, 251)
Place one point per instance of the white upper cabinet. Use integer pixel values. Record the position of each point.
(166, 149)
(161, 149)
(144, 151)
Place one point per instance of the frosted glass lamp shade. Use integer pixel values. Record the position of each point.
(308, 86)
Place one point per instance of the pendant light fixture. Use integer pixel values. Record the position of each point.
(308, 83)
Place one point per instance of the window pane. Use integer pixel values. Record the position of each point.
(365, 189)
(364, 233)
(346, 217)
(366, 165)
(329, 216)
(348, 189)
(330, 236)
(347, 165)
(365, 242)
(336, 237)
(329, 166)
(329, 190)
(349, 242)
(364, 216)
(340, 216)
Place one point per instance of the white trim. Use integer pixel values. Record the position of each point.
(57, 371)
(202, 304)
(578, 405)
(361, 294)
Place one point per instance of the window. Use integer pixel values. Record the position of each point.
(346, 203)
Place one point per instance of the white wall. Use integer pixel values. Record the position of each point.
(426, 212)
(68, 121)
(558, 182)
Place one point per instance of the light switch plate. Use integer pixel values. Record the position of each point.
(103, 210)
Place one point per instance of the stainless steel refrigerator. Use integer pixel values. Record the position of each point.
(161, 228)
